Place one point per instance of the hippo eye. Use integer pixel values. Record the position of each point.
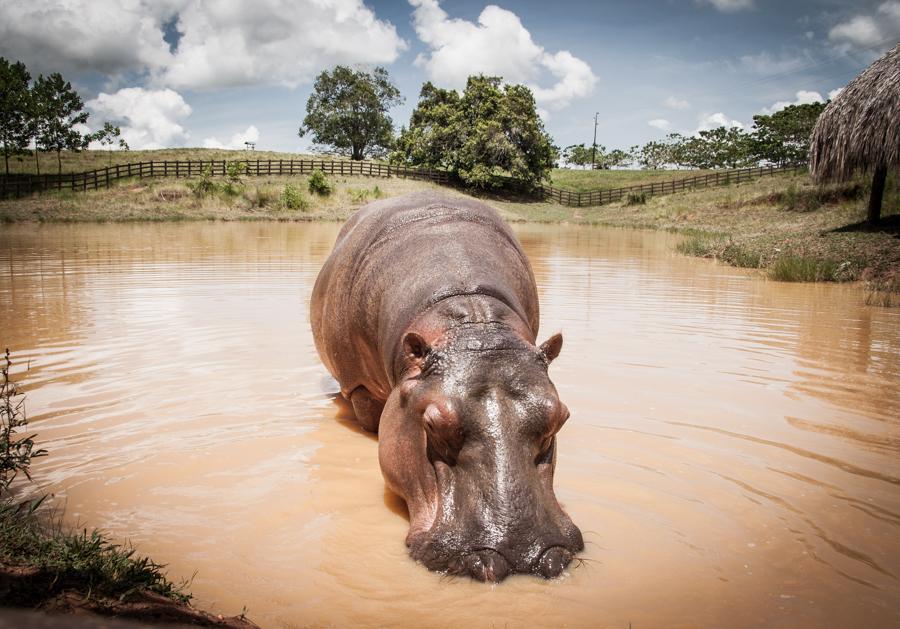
(444, 432)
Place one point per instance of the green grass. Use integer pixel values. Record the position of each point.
(792, 268)
(88, 562)
(583, 180)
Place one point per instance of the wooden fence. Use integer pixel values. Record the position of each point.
(15, 186)
(608, 195)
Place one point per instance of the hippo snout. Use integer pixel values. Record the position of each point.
(491, 566)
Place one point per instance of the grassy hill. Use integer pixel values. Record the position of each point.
(584, 180)
(89, 160)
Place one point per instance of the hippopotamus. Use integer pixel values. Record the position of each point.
(426, 313)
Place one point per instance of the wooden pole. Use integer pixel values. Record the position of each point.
(874, 212)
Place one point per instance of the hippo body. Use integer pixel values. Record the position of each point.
(426, 313)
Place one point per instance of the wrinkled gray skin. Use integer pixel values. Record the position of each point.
(426, 313)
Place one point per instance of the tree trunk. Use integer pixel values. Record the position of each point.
(59, 160)
(874, 212)
(37, 161)
(356, 154)
(6, 159)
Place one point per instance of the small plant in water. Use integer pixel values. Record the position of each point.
(15, 452)
(319, 184)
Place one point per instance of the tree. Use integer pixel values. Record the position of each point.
(783, 137)
(491, 130)
(616, 158)
(431, 139)
(15, 106)
(108, 136)
(58, 109)
(348, 109)
(577, 155)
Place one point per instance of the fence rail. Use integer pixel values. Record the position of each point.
(15, 186)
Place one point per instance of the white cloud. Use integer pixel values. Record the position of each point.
(834, 93)
(803, 97)
(877, 31)
(673, 102)
(709, 122)
(150, 119)
(106, 36)
(498, 45)
(250, 134)
(660, 123)
(275, 41)
(729, 6)
(766, 64)
(222, 44)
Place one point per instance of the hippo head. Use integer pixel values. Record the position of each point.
(467, 438)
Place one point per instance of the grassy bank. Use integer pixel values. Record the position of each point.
(785, 225)
(255, 198)
(45, 567)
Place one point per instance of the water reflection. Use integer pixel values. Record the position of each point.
(731, 458)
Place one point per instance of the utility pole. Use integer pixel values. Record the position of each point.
(594, 145)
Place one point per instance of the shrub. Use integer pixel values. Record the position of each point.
(292, 198)
(636, 198)
(319, 184)
(204, 186)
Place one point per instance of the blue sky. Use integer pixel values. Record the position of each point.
(215, 73)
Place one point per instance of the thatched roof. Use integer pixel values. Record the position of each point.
(860, 128)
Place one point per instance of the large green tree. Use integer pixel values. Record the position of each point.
(58, 109)
(491, 129)
(348, 111)
(783, 137)
(15, 107)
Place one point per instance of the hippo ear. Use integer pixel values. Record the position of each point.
(551, 347)
(415, 348)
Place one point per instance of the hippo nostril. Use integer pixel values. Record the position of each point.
(487, 565)
(553, 561)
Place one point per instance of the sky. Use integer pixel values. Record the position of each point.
(217, 73)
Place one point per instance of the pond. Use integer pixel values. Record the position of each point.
(732, 455)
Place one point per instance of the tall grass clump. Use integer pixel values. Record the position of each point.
(361, 195)
(319, 184)
(790, 268)
(292, 198)
(636, 198)
(883, 291)
(16, 451)
(700, 244)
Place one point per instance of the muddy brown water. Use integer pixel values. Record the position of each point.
(732, 455)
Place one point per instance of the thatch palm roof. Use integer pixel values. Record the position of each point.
(860, 129)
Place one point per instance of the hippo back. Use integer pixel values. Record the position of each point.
(396, 258)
